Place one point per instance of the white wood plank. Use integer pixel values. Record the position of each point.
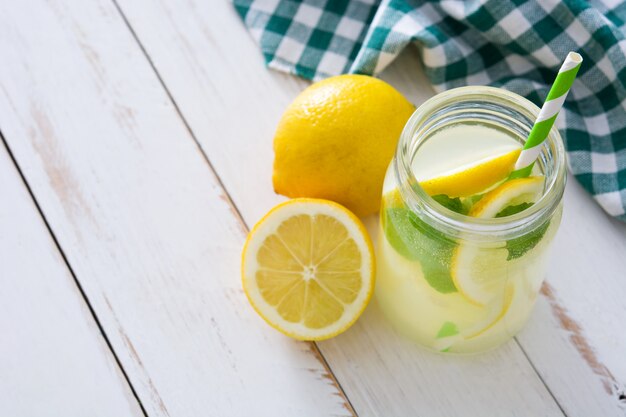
(232, 104)
(142, 219)
(53, 358)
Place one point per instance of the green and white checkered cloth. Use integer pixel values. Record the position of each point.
(513, 44)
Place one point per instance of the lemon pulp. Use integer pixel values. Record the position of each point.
(308, 268)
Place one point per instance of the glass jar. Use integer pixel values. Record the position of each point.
(452, 282)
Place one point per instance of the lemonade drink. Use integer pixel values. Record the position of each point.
(461, 272)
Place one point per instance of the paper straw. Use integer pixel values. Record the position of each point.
(547, 115)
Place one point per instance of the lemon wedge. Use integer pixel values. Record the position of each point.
(308, 268)
(473, 179)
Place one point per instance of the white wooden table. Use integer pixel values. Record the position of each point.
(136, 153)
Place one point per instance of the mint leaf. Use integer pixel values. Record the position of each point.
(437, 273)
(417, 241)
(454, 204)
(511, 210)
(447, 329)
(519, 246)
(474, 199)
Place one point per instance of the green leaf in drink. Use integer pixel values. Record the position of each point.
(447, 329)
(511, 210)
(417, 241)
(454, 204)
(519, 246)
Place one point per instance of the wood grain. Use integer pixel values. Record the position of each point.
(142, 220)
(54, 360)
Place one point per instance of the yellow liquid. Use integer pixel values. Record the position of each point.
(437, 316)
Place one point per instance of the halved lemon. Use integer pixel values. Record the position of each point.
(480, 272)
(308, 268)
(469, 180)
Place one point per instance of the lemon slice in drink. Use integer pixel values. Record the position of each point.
(496, 313)
(308, 268)
(480, 272)
(465, 181)
(473, 179)
(510, 193)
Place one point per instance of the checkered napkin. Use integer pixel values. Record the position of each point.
(514, 44)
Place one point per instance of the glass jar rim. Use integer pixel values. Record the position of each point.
(455, 223)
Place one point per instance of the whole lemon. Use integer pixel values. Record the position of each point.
(336, 139)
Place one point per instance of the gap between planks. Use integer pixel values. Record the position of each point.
(228, 199)
(558, 404)
(81, 291)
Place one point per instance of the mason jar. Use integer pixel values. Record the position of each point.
(449, 281)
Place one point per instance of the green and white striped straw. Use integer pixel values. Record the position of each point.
(547, 115)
